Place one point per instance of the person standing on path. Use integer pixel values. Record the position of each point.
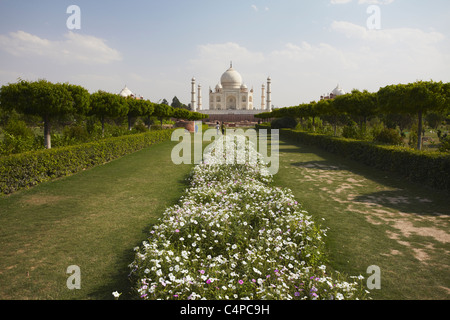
(217, 127)
(223, 128)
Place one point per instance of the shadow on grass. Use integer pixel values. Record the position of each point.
(406, 202)
(319, 164)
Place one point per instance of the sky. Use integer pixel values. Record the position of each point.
(155, 48)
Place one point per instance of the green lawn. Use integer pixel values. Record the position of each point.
(374, 218)
(93, 220)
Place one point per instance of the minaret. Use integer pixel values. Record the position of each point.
(269, 97)
(199, 97)
(263, 97)
(193, 107)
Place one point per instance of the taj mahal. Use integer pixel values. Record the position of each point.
(231, 99)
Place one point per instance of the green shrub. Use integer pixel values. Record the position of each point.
(445, 144)
(24, 170)
(286, 122)
(351, 131)
(76, 133)
(140, 128)
(389, 136)
(12, 144)
(18, 128)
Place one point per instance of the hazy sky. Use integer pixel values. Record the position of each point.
(307, 47)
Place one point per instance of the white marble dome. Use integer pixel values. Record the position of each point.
(231, 79)
(338, 91)
(126, 92)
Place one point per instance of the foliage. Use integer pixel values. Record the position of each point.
(389, 136)
(107, 105)
(286, 122)
(163, 111)
(351, 130)
(445, 144)
(418, 98)
(42, 98)
(395, 104)
(28, 169)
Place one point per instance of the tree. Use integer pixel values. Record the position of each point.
(263, 115)
(180, 113)
(147, 111)
(310, 110)
(81, 99)
(194, 116)
(108, 105)
(136, 108)
(418, 98)
(176, 103)
(163, 111)
(329, 111)
(45, 99)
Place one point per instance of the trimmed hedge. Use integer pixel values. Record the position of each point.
(25, 170)
(429, 168)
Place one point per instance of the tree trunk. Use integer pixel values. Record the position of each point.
(103, 126)
(130, 121)
(47, 137)
(419, 132)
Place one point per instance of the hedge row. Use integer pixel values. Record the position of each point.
(25, 170)
(429, 168)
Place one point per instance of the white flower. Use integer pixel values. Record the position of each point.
(116, 294)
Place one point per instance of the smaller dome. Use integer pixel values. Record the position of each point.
(338, 91)
(244, 86)
(126, 92)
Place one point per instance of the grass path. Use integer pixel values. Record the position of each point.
(93, 220)
(374, 218)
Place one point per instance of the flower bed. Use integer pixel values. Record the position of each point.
(234, 235)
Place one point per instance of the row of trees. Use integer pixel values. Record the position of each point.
(414, 99)
(55, 101)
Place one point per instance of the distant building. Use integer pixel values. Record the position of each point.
(128, 93)
(338, 91)
(231, 100)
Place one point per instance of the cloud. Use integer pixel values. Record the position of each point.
(256, 9)
(74, 48)
(406, 36)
